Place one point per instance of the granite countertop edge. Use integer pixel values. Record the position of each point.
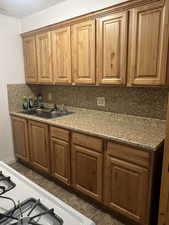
(139, 145)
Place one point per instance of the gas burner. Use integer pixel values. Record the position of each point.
(5, 183)
(31, 211)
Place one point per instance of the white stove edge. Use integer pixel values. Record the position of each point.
(52, 198)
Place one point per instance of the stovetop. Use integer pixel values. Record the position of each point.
(6, 184)
(31, 211)
(20, 204)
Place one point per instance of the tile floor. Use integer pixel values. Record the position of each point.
(98, 216)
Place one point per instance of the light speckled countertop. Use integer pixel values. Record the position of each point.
(136, 131)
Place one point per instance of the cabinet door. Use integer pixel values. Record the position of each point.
(39, 146)
(61, 54)
(126, 188)
(30, 62)
(60, 155)
(20, 138)
(112, 49)
(163, 218)
(87, 171)
(83, 52)
(148, 45)
(44, 58)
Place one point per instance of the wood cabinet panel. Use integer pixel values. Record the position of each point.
(20, 138)
(126, 153)
(88, 141)
(30, 60)
(87, 171)
(163, 217)
(59, 133)
(126, 189)
(44, 57)
(61, 51)
(39, 145)
(148, 45)
(60, 155)
(112, 49)
(83, 52)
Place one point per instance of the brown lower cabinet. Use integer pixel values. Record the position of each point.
(87, 165)
(122, 178)
(20, 138)
(126, 181)
(39, 146)
(60, 154)
(126, 188)
(87, 171)
(163, 218)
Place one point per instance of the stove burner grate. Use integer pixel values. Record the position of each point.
(31, 211)
(5, 184)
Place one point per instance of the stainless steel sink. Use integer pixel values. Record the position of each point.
(46, 113)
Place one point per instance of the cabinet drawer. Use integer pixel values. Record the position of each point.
(59, 133)
(88, 141)
(129, 154)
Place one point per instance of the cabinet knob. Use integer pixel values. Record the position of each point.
(112, 55)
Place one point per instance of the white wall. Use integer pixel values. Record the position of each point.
(64, 10)
(11, 71)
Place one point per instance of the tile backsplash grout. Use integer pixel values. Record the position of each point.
(139, 101)
(16, 93)
(147, 102)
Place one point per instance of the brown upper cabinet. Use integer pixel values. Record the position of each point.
(112, 49)
(148, 46)
(29, 51)
(83, 52)
(61, 57)
(44, 57)
(125, 46)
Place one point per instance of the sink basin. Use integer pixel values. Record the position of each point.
(29, 112)
(45, 113)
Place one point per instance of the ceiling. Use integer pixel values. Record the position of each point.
(22, 8)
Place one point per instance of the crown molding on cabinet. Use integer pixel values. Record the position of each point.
(93, 15)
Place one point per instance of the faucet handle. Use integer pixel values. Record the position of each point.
(63, 108)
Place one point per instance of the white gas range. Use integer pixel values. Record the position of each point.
(32, 204)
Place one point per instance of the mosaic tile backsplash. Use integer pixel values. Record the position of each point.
(16, 93)
(147, 102)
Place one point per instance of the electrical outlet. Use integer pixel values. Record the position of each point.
(49, 96)
(101, 101)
